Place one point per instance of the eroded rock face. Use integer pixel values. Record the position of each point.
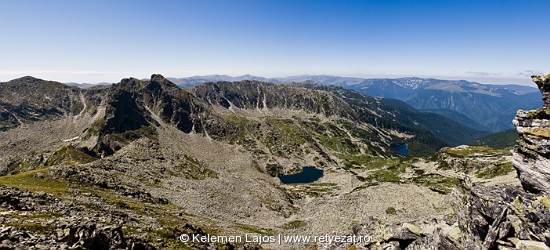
(491, 217)
(543, 82)
(531, 156)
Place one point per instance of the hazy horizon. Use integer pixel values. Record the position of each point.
(147, 76)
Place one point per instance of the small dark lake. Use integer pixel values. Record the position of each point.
(401, 148)
(308, 174)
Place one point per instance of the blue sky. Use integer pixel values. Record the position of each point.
(488, 41)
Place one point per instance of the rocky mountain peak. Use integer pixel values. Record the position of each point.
(157, 78)
(26, 79)
(29, 81)
(543, 82)
(158, 81)
(131, 83)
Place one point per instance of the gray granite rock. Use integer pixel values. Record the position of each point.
(531, 155)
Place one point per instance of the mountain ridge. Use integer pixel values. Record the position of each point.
(478, 102)
(134, 105)
(421, 93)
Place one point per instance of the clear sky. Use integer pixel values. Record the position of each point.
(490, 41)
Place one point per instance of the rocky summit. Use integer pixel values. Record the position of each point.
(143, 164)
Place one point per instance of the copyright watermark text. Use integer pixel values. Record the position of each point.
(270, 239)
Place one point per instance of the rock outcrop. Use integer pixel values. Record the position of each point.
(85, 236)
(531, 156)
(543, 82)
(496, 217)
(37, 220)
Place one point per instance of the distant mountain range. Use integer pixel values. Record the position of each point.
(481, 106)
(85, 85)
